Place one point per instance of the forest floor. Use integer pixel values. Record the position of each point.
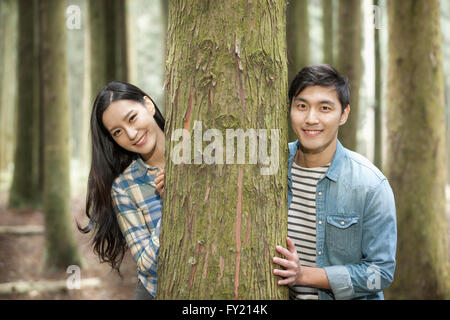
(21, 259)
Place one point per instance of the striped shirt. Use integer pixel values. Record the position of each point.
(302, 222)
(138, 209)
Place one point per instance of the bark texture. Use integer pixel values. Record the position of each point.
(226, 67)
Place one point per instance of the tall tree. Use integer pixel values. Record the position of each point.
(328, 31)
(107, 25)
(8, 92)
(378, 151)
(222, 222)
(24, 190)
(61, 248)
(297, 33)
(349, 62)
(416, 157)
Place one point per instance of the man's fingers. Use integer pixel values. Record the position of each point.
(283, 262)
(290, 245)
(285, 252)
(283, 273)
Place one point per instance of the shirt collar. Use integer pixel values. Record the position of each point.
(143, 168)
(336, 164)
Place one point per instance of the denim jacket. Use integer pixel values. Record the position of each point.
(356, 229)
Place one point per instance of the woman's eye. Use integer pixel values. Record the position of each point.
(116, 133)
(133, 117)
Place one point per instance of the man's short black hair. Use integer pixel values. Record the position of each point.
(321, 75)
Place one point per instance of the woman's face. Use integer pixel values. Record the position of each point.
(131, 125)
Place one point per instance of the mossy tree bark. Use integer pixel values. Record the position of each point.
(416, 158)
(226, 68)
(24, 192)
(349, 63)
(60, 245)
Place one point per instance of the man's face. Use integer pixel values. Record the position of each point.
(316, 114)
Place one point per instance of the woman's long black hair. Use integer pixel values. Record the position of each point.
(108, 161)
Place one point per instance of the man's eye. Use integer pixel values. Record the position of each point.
(326, 108)
(301, 105)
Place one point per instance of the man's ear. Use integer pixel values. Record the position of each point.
(149, 105)
(344, 115)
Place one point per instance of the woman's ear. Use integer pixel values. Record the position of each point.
(149, 105)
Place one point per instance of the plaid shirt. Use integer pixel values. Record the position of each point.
(138, 208)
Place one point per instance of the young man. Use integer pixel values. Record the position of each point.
(341, 212)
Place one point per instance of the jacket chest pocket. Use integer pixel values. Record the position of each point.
(342, 233)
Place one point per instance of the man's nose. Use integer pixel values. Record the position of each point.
(312, 117)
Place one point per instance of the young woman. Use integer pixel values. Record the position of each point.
(123, 200)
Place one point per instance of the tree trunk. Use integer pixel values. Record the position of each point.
(221, 222)
(349, 63)
(297, 33)
(2, 107)
(416, 157)
(378, 151)
(24, 190)
(108, 42)
(8, 92)
(61, 248)
(328, 36)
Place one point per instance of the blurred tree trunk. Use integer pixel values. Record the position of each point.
(378, 151)
(60, 244)
(328, 36)
(349, 63)
(222, 222)
(24, 191)
(297, 31)
(2, 107)
(416, 157)
(8, 93)
(297, 36)
(107, 20)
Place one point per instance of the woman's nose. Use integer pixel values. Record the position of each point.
(131, 132)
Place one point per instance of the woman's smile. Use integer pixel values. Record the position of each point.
(142, 140)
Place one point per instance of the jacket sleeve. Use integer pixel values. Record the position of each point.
(375, 272)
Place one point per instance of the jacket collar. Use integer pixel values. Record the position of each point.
(335, 166)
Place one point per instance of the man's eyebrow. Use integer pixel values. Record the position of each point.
(300, 99)
(124, 118)
(320, 102)
(327, 102)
